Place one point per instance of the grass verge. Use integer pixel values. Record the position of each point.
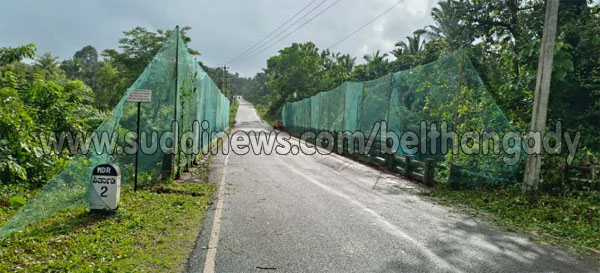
(262, 112)
(233, 112)
(572, 220)
(154, 231)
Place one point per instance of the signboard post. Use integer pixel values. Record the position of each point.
(106, 189)
(138, 96)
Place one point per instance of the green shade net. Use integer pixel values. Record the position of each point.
(184, 93)
(448, 90)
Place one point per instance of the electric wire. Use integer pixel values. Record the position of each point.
(287, 35)
(365, 25)
(273, 32)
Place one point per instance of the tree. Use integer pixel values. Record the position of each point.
(73, 68)
(9, 55)
(375, 57)
(450, 26)
(297, 73)
(184, 37)
(47, 66)
(258, 89)
(122, 67)
(413, 45)
(138, 47)
(47, 62)
(87, 55)
(346, 64)
(37, 98)
(377, 66)
(107, 86)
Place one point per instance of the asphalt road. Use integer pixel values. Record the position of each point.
(326, 213)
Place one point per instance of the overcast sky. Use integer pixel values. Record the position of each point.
(220, 28)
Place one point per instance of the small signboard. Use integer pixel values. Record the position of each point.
(140, 95)
(106, 189)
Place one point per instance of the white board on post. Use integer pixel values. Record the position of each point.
(140, 95)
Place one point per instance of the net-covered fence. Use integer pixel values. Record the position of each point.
(447, 93)
(182, 92)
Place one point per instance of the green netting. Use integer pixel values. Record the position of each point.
(184, 93)
(314, 117)
(448, 90)
(353, 95)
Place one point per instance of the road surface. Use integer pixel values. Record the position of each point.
(326, 213)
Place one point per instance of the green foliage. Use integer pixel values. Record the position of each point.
(229, 83)
(49, 103)
(83, 66)
(10, 55)
(137, 49)
(73, 68)
(377, 66)
(501, 39)
(39, 99)
(87, 55)
(296, 73)
(107, 80)
(17, 201)
(258, 89)
(46, 65)
(233, 112)
(132, 240)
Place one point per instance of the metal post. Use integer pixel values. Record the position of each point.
(407, 167)
(455, 114)
(428, 172)
(137, 151)
(362, 102)
(389, 158)
(360, 122)
(455, 176)
(175, 162)
(343, 131)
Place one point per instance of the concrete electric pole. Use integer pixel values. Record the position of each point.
(542, 92)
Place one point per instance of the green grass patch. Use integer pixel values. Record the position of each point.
(573, 219)
(233, 112)
(262, 112)
(9, 194)
(153, 231)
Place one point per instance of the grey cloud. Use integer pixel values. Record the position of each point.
(220, 28)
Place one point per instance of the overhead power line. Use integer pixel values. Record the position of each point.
(287, 35)
(268, 41)
(365, 25)
(273, 32)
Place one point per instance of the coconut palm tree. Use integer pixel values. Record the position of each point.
(444, 21)
(47, 65)
(73, 68)
(412, 45)
(449, 25)
(375, 57)
(47, 62)
(346, 62)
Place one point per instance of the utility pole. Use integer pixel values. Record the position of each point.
(224, 83)
(224, 79)
(542, 91)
